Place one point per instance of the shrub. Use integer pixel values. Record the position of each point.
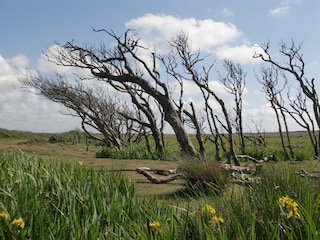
(130, 152)
(57, 139)
(203, 176)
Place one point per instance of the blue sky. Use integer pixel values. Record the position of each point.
(223, 28)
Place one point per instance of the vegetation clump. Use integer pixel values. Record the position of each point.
(204, 176)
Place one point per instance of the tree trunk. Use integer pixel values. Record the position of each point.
(172, 117)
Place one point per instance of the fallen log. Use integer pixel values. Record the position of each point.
(304, 173)
(159, 171)
(231, 168)
(157, 180)
(265, 159)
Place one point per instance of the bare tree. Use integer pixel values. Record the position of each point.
(235, 82)
(301, 115)
(96, 109)
(198, 126)
(145, 117)
(295, 66)
(123, 68)
(190, 61)
(270, 82)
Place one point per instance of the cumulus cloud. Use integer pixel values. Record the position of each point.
(203, 34)
(21, 110)
(20, 61)
(190, 88)
(242, 54)
(222, 39)
(46, 63)
(8, 77)
(46, 66)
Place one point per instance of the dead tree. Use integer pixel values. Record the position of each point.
(190, 61)
(295, 66)
(214, 135)
(198, 126)
(235, 82)
(96, 109)
(123, 67)
(270, 82)
(302, 116)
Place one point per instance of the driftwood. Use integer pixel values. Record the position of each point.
(239, 169)
(170, 174)
(313, 174)
(265, 159)
(159, 171)
(240, 174)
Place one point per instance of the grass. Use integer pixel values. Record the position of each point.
(60, 191)
(66, 201)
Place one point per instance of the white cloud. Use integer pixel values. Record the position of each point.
(204, 34)
(8, 77)
(21, 110)
(46, 66)
(279, 11)
(218, 38)
(242, 54)
(20, 61)
(283, 7)
(227, 13)
(46, 63)
(191, 89)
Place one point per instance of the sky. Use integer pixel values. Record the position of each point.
(227, 29)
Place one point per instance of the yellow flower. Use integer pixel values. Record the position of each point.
(154, 225)
(17, 223)
(216, 219)
(290, 205)
(4, 216)
(209, 209)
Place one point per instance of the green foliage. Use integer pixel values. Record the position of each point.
(129, 152)
(57, 139)
(303, 154)
(203, 176)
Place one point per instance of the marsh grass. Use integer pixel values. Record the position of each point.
(61, 199)
(66, 201)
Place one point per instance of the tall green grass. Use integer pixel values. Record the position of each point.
(64, 201)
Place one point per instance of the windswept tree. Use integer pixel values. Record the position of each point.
(235, 82)
(271, 87)
(294, 66)
(198, 74)
(124, 68)
(98, 110)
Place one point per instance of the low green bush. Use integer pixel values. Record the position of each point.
(129, 152)
(203, 176)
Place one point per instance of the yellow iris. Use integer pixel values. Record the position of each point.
(216, 219)
(154, 225)
(17, 223)
(4, 216)
(290, 205)
(208, 209)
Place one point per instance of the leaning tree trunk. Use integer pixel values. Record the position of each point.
(172, 117)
